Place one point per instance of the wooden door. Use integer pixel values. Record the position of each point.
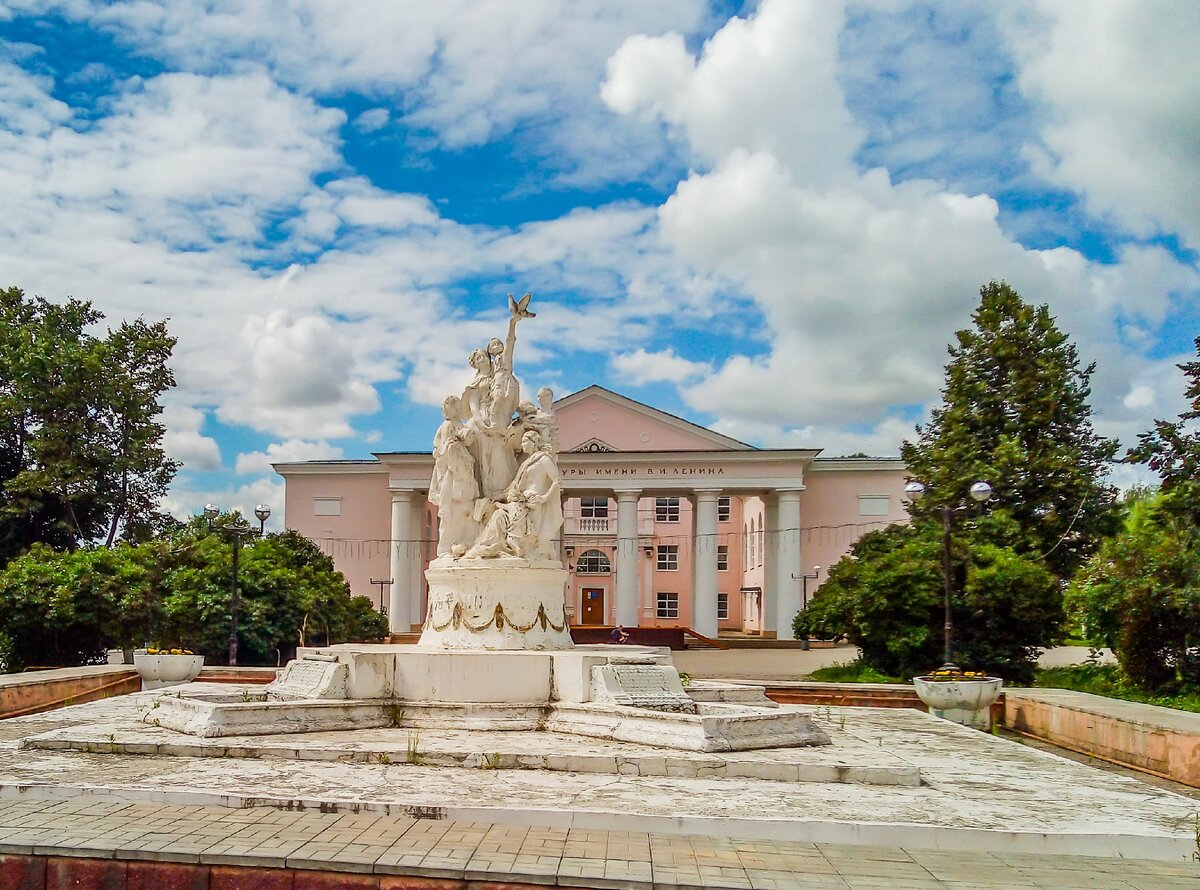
(593, 606)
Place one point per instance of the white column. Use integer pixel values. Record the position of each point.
(704, 563)
(788, 601)
(770, 594)
(416, 614)
(628, 587)
(401, 562)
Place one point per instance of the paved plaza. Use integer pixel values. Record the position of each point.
(374, 844)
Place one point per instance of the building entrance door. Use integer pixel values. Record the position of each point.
(593, 606)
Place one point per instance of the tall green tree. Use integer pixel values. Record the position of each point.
(1172, 449)
(1015, 413)
(81, 456)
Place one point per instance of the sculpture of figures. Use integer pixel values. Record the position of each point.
(544, 421)
(454, 488)
(537, 486)
(488, 506)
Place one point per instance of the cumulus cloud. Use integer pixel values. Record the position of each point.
(249, 462)
(302, 378)
(463, 72)
(1120, 85)
(184, 442)
(862, 279)
(641, 367)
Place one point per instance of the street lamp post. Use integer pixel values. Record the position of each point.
(236, 529)
(804, 579)
(980, 492)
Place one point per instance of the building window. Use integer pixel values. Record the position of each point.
(873, 505)
(724, 509)
(668, 605)
(593, 562)
(722, 607)
(722, 558)
(762, 540)
(668, 557)
(327, 506)
(745, 545)
(666, 509)
(593, 508)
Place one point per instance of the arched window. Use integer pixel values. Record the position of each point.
(745, 545)
(592, 562)
(762, 537)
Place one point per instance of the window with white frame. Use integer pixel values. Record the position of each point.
(874, 505)
(723, 606)
(593, 562)
(668, 605)
(593, 508)
(327, 506)
(724, 509)
(668, 557)
(745, 544)
(722, 558)
(666, 509)
(762, 540)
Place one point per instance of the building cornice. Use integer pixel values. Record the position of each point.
(328, 467)
(860, 464)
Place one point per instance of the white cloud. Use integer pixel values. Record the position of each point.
(372, 119)
(302, 378)
(184, 501)
(862, 281)
(1120, 82)
(184, 442)
(641, 367)
(283, 452)
(462, 71)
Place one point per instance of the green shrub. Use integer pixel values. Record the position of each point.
(886, 597)
(1140, 594)
(67, 608)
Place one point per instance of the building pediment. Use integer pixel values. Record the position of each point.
(598, 420)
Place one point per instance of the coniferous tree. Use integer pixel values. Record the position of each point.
(1015, 414)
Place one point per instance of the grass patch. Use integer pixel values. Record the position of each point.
(1107, 680)
(852, 672)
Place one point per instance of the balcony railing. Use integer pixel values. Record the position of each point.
(592, 524)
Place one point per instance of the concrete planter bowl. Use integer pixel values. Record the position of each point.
(968, 702)
(158, 671)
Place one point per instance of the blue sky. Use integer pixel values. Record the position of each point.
(769, 218)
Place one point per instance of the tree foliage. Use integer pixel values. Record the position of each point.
(887, 598)
(1015, 413)
(81, 455)
(68, 607)
(1140, 594)
(1172, 449)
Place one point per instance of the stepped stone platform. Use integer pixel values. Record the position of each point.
(128, 728)
(978, 792)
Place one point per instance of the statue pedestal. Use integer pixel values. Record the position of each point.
(497, 604)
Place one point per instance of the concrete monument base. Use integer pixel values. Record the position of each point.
(625, 693)
(503, 603)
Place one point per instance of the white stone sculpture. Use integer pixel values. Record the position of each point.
(497, 582)
(454, 488)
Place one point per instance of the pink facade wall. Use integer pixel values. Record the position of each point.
(831, 515)
(830, 518)
(358, 539)
(624, 430)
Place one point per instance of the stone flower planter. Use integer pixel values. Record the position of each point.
(157, 671)
(968, 702)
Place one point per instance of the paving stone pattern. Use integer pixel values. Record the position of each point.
(201, 839)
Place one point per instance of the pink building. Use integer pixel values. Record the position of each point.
(667, 523)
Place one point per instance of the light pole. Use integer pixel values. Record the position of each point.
(236, 528)
(980, 492)
(804, 579)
